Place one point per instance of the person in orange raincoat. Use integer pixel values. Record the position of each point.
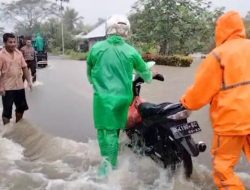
(223, 80)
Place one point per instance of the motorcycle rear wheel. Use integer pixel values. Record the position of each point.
(187, 164)
(183, 159)
(178, 160)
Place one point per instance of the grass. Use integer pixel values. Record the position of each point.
(71, 54)
(76, 55)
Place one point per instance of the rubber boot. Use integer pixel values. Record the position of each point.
(104, 169)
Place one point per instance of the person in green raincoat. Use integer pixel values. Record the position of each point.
(39, 43)
(110, 66)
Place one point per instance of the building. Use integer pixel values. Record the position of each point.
(97, 34)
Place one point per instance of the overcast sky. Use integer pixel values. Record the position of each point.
(91, 10)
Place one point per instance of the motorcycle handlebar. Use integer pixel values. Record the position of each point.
(158, 77)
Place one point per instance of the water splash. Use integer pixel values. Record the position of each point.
(31, 159)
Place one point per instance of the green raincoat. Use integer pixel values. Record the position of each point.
(39, 43)
(110, 70)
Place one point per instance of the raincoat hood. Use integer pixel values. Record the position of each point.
(229, 26)
(38, 34)
(115, 39)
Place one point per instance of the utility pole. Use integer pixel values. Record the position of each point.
(62, 27)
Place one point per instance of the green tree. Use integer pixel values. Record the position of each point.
(99, 22)
(176, 26)
(248, 16)
(51, 29)
(72, 24)
(27, 14)
(247, 23)
(71, 19)
(81, 27)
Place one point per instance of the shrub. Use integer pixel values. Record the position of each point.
(56, 51)
(76, 55)
(173, 60)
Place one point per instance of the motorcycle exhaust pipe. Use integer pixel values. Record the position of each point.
(202, 147)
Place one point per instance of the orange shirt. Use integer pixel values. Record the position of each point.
(11, 70)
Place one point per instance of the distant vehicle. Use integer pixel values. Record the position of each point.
(42, 59)
(40, 46)
(41, 54)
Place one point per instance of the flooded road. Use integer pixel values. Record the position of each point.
(61, 103)
(54, 148)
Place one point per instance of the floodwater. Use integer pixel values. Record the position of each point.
(55, 147)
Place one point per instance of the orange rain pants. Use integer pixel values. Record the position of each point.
(226, 153)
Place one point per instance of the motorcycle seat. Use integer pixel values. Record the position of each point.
(149, 110)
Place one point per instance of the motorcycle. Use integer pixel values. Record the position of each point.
(162, 131)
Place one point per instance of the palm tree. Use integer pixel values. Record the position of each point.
(70, 19)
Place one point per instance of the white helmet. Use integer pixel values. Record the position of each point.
(118, 24)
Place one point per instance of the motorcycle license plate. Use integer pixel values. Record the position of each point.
(186, 129)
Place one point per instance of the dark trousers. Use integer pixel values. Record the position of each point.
(16, 97)
(32, 67)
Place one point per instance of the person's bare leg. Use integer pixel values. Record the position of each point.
(19, 116)
(5, 120)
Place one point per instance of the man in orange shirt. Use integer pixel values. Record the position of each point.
(223, 80)
(12, 68)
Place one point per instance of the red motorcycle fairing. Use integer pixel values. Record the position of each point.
(134, 116)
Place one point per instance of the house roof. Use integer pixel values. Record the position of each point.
(98, 32)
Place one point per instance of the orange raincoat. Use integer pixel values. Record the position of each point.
(223, 80)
